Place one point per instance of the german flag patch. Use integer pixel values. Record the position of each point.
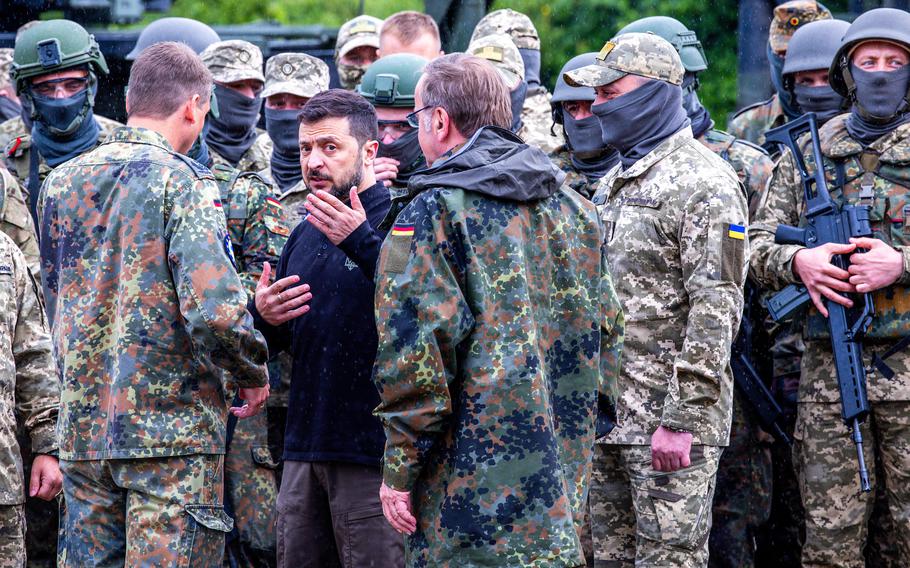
(399, 247)
(403, 231)
(273, 201)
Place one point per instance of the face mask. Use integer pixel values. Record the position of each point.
(584, 135)
(823, 101)
(777, 79)
(518, 102)
(350, 75)
(61, 117)
(637, 122)
(531, 59)
(284, 131)
(880, 94)
(407, 151)
(234, 130)
(698, 114)
(199, 151)
(595, 167)
(26, 113)
(9, 109)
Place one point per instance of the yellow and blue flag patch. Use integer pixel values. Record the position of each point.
(737, 232)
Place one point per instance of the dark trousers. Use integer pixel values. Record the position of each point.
(329, 515)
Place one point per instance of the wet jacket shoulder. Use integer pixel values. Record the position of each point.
(480, 371)
(255, 221)
(142, 347)
(752, 122)
(675, 223)
(537, 119)
(751, 162)
(16, 221)
(29, 389)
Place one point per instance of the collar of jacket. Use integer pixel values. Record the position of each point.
(665, 148)
(298, 187)
(836, 142)
(138, 135)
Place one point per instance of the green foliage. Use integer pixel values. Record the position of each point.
(570, 27)
(331, 14)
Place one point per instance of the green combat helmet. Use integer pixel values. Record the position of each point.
(682, 38)
(646, 55)
(53, 46)
(392, 80)
(884, 24)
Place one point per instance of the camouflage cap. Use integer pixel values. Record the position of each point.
(646, 55)
(295, 73)
(789, 16)
(514, 24)
(500, 50)
(362, 30)
(233, 60)
(6, 61)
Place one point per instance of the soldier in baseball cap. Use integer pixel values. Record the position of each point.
(9, 102)
(291, 79)
(236, 68)
(668, 183)
(356, 48)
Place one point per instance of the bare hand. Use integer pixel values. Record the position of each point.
(280, 302)
(254, 399)
(670, 450)
(821, 278)
(396, 506)
(878, 268)
(333, 218)
(386, 170)
(46, 481)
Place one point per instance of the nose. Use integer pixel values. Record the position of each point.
(388, 138)
(583, 113)
(314, 161)
(599, 100)
(60, 91)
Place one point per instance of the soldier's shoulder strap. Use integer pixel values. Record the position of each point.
(751, 107)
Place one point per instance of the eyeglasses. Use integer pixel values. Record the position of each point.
(412, 118)
(66, 87)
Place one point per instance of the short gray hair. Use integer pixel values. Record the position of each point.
(469, 89)
(163, 77)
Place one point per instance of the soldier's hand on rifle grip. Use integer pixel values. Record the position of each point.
(879, 267)
(821, 278)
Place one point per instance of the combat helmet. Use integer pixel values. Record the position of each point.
(680, 37)
(564, 92)
(185, 30)
(813, 46)
(646, 55)
(885, 24)
(392, 80)
(53, 46)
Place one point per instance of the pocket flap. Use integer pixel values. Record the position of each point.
(262, 457)
(211, 517)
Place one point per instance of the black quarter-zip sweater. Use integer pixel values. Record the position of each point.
(333, 346)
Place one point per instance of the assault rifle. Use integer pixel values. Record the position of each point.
(829, 223)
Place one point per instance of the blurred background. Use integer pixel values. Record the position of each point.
(733, 33)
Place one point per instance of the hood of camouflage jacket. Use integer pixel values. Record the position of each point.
(494, 162)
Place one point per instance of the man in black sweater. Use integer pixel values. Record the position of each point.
(329, 513)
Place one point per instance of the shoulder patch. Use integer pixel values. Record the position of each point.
(17, 146)
(399, 244)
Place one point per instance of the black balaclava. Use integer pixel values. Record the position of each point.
(698, 114)
(234, 130)
(588, 155)
(777, 79)
(65, 128)
(879, 105)
(9, 108)
(517, 97)
(531, 60)
(199, 151)
(823, 101)
(408, 153)
(639, 121)
(283, 129)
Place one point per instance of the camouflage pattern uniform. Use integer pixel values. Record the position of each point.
(29, 391)
(837, 514)
(238, 60)
(742, 500)
(360, 31)
(535, 114)
(562, 159)
(471, 430)
(16, 221)
(144, 403)
(293, 201)
(257, 232)
(752, 122)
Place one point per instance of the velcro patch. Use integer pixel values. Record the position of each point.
(6, 269)
(733, 253)
(399, 245)
(605, 50)
(736, 232)
(491, 53)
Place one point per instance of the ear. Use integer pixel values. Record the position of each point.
(189, 109)
(440, 124)
(370, 148)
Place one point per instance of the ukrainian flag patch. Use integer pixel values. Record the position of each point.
(403, 231)
(737, 232)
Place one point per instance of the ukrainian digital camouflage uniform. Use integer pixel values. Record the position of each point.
(257, 158)
(837, 513)
(257, 231)
(16, 221)
(293, 203)
(675, 245)
(537, 120)
(140, 351)
(488, 427)
(29, 392)
(742, 499)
